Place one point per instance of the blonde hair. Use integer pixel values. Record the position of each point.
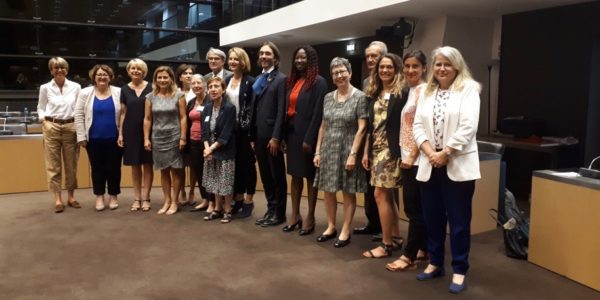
(136, 62)
(243, 57)
(57, 62)
(172, 88)
(376, 85)
(463, 73)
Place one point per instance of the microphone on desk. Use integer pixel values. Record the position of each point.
(589, 172)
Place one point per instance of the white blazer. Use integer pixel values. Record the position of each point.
(460, 126)
(84, 110)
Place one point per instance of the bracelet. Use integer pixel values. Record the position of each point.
(317, 154)
(352, 153)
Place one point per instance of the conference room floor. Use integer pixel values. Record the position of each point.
(84, 254)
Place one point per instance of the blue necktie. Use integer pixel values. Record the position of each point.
(260, 83)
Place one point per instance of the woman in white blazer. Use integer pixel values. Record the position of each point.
(444, 130)
(97, 121)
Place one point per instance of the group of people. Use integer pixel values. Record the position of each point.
(410, 125)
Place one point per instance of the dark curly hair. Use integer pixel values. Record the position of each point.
(312, 68)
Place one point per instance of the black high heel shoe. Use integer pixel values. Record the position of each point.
(288, 228)
(307, 231)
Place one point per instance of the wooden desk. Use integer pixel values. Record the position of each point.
(565, 227)
(529, 145)
(22, 165)
(485, 197)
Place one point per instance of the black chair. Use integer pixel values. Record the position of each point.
(496, 148)
(490, 147)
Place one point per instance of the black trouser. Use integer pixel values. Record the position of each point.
(371, 211)
(197, 156)
(245, 165)
(411, 196)
(105, 160)
(272, 174)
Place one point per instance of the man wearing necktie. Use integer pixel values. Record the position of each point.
(216, 61)
(267, 133)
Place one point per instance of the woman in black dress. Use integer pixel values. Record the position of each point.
(131, 133)
(305, 92)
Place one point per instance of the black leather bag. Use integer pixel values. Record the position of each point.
(515, 227)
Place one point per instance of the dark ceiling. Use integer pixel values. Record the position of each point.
(112, 12)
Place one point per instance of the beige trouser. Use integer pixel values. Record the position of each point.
(60, 139)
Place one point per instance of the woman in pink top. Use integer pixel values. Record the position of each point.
(414, 64)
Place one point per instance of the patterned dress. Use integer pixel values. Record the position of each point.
(341, 123)
(219, 175)
(166, 131)
(385, 171)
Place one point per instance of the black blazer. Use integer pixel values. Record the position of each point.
(223, 129)
(246, 94)
(270, 108)
(392, 123)
(309, 111)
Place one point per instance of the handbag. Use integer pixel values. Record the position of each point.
(515, 227)
(245, 116)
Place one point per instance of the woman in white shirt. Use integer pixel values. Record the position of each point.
(56, 108)
(444, 129)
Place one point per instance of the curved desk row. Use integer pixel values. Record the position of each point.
(565, 228)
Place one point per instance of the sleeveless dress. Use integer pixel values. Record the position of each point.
(166, 131)
(133, 126)
(385, 171)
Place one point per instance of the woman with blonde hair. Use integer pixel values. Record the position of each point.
(165, 116)
(239, 93)
(131, 133)
(56, 108)
(444, 130)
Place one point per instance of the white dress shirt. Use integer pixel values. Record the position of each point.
(55, 103)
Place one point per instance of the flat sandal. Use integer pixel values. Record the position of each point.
(136, 205)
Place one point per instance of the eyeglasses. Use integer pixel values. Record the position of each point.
(339, 73)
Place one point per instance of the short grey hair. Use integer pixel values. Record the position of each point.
(217, 52)
(379, 44)
(201, 78)
(340, 61)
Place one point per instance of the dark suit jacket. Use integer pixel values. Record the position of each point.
(392, 123)
(309, 111)
(209, 75)
(223, 129)
(270, 108)
(246, 94)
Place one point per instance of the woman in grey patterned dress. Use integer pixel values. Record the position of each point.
(165, 112)
(340, 136)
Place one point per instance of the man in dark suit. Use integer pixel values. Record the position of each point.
(216, 60)
(374, 51)
(267, 133)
